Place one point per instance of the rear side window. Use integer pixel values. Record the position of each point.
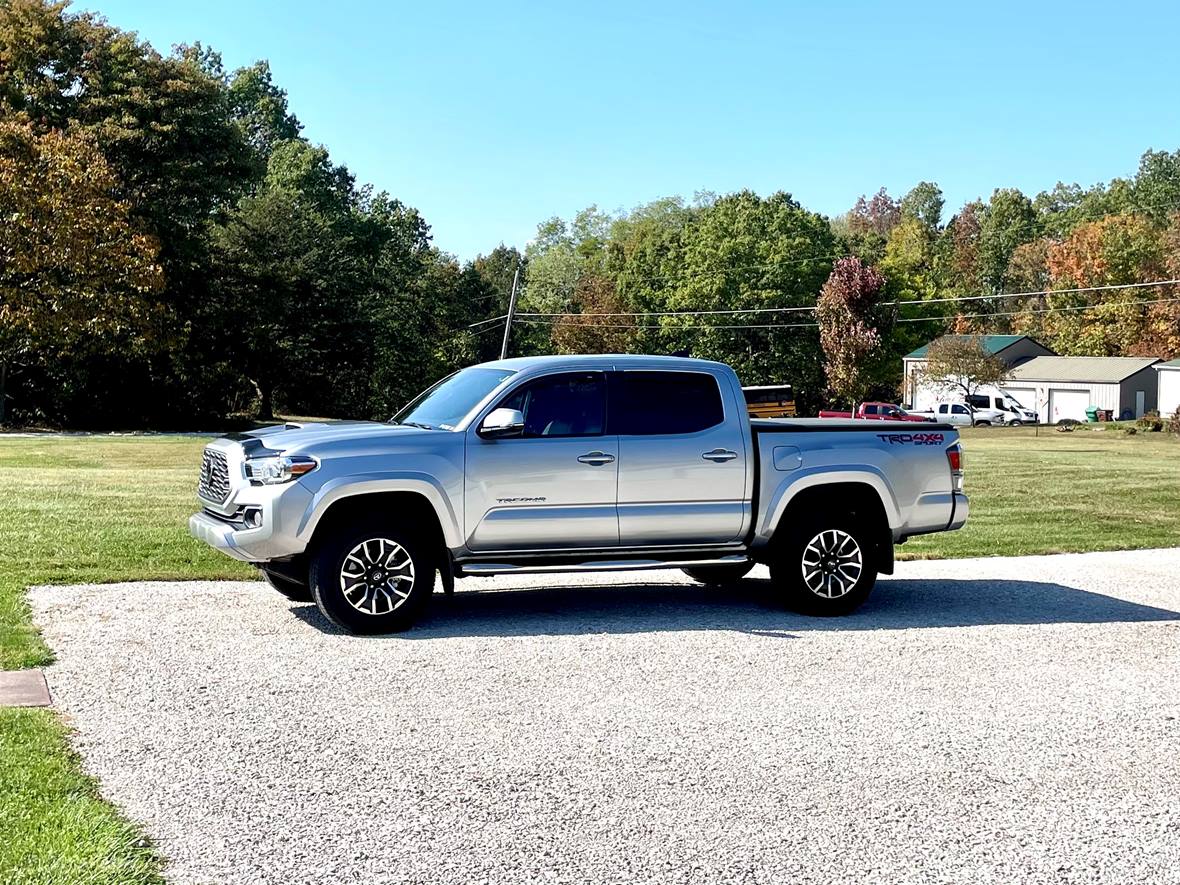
(650, 403)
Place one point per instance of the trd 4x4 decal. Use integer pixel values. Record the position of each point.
(917, 439)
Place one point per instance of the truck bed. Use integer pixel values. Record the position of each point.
(839, 425)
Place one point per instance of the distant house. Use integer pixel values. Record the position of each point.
(1169, 387)
(1060, 387)
(921, 394)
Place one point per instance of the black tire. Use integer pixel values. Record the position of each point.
(296, 591)
(332, 589)
(983, 423)
(719, 574)
(1016, 423)
(787, 569)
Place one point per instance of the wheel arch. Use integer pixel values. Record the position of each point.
(355, 501)
(868, 500)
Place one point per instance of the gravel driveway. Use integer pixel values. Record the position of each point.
(1000, 720)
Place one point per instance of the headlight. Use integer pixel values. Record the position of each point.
(274, 470)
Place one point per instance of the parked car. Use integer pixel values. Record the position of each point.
(574, 463)
(878, 412)
(962, 414)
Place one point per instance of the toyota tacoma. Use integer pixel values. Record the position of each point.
(574, 463)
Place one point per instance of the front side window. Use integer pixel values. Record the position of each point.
(570, 404)
(651, 403)
(959, 410)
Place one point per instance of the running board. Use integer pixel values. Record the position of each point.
(474, 569)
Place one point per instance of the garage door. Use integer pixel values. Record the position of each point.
(1068, 404)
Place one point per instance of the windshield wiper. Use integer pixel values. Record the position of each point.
(418, 424)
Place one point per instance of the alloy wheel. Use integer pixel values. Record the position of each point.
(832, 564)
(377, 576)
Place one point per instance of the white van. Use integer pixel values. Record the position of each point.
(1001, 401)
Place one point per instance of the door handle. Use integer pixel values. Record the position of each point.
(596, 458)
(719, 455)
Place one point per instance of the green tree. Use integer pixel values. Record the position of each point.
(924, 204)
(1008, 222)
(962, 363)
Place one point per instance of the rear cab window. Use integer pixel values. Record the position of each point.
(671, 402)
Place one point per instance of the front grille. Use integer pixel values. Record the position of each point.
(214, 482)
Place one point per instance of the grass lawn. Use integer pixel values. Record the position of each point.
(1035, 490)
(79, 509)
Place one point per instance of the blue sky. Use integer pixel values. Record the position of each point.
(492, 117)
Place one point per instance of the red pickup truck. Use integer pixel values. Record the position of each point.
(877, 412)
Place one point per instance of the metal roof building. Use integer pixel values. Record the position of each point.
(1066, 386)
(920, 393)
(1169, 387)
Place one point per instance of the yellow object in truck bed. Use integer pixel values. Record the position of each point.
(770, 401)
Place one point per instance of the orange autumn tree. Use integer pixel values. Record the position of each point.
(74, 272)
(1113, 251)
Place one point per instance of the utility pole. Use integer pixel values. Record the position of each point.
(511, 313)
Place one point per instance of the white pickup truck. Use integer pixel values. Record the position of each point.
(575, 463)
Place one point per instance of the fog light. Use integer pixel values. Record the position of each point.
(253, 518)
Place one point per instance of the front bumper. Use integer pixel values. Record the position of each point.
(278, 513)
(219, 535)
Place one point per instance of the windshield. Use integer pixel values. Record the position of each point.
(448, 402)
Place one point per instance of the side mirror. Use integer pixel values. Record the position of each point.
(502, 423)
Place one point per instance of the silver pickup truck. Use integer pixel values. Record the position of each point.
(574, 463)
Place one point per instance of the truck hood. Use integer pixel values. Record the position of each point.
(303, 435)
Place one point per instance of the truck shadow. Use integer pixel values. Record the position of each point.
(750, 607)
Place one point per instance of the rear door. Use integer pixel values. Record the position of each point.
(682, 459)
(554, 486)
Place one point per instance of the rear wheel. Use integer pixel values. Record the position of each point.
(719, 574)
(827, 568)
(372, 579)
(983, 423)
(297, 591)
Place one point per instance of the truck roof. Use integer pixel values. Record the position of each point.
(621, 360)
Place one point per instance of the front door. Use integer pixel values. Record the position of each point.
(682, 465)
(555, 485)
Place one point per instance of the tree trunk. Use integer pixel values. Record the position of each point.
(3, 391)
(266, 409)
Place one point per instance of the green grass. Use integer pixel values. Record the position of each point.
(54, 827)
(78, 510)
(82, 509)
(1036, 490)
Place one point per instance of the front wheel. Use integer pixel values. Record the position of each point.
(719, 574)
(371, 580)
(983, 423)
(827, 568)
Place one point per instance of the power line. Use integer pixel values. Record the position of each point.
(954, 299)
(665, 328)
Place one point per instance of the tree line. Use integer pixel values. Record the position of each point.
(175, 252)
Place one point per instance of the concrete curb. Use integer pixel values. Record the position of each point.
(23, 688)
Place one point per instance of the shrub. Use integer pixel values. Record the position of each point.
(1174, 422)
(1130, 431)
(1151, 422)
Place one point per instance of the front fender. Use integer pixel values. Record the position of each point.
(411, 481)
(797, 481)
